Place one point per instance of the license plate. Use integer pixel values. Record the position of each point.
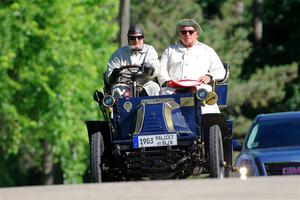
(154, 140)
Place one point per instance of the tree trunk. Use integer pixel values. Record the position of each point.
(124, 20)
(239, 9)
(48, 178)
(299, 72)
(257, 22)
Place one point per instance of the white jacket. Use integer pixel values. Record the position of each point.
(178, 63)
(125, 56)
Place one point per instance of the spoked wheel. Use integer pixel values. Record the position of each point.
(97, 149)
(216, 156)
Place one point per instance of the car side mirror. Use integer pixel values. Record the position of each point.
(236, 145)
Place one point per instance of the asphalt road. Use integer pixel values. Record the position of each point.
(283, 188)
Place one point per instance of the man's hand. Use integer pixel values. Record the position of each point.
(206, 79)
(148, 69)
(165, 84)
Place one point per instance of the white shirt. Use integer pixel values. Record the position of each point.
(178, 62)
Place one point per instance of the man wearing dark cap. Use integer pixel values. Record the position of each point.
(135, 53)
(189, 59)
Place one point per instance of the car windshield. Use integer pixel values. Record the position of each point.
(274, 134)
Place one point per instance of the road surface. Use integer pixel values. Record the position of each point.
(283, 188)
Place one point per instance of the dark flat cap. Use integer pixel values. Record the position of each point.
(135, 30)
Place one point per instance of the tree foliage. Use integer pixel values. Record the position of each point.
(158, 18)
(52, 54)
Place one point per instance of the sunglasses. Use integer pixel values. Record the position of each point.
(136, 37)
(189, 31)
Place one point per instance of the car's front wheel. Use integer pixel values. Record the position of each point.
(96, 152)
(216, 156)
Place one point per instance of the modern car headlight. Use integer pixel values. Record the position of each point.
(247, 166)
(108, 101)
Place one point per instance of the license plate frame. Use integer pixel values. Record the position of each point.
(160, 140)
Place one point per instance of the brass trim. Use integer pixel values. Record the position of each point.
(127, 106)
(157, 100)
(167, 114)
(187, 102)
(139, 119)
(212, 98)
(173, 104)
(213, 85)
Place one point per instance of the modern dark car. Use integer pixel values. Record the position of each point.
(272, 146)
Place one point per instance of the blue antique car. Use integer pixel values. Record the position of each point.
(272, 146)
(160, 137)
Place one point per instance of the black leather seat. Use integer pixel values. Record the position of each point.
(225, 79)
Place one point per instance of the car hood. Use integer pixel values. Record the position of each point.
(279, 154)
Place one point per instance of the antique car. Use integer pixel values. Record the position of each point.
(271, 146)
(160, 137)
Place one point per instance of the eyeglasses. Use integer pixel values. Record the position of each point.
(188, 31)
(136, 37)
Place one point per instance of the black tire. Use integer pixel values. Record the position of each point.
(97, 149)
(216, 155)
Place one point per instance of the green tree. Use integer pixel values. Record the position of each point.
(158, 18)
(266, 80)
(280, 44)
(276, 56)
(51, 56)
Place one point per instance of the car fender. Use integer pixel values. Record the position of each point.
(102, 127)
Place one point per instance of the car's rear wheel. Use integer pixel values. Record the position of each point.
(97, 149)
(216, 156)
